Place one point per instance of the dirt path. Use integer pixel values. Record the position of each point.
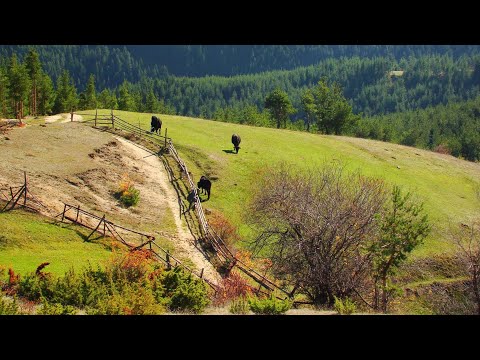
(185, 242)
(52, 119)
(65, 117)
(76, 164)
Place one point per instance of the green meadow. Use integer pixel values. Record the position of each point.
(28, 239)
(446, 184)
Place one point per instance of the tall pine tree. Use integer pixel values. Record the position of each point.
(90, 94)
(280, 106)
(34, 68)
(66, 99)
(19, 85)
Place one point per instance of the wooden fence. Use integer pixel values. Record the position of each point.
(215, 240)
(115, 122)
(208, 234)
(73, 214)
(20, 196)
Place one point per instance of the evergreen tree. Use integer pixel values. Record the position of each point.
(308, 104)
(125, 99)
(66, 99)
(46, 94)
(34, 68)
(103, 99)
(404, 225)
(90, 94)
(280, 106)
(19, 85)
(151, 102)
(333, 112)
(4, 96)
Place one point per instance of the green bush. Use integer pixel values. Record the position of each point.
(133, 300)
(346, 307)
(181, 291)
(269, 306)
(127, 194)
(127, 285)
(67, 290)
(8, 307)
(239, 306)
(34, 287)
(130, 197)
(3, 278)
(56, 309)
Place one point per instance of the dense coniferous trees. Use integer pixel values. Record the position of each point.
(424, 96)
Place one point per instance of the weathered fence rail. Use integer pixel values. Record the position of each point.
(20, 196)
(216, 241)
(112, 228)
(117, 123)
(209, 234)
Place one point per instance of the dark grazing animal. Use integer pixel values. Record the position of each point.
(205, 184)
(236, 142)
(156, 125)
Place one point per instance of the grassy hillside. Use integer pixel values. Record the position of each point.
(445, 183)
(29, 239)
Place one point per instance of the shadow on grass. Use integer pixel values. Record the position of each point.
(85, 238)
(229, 151)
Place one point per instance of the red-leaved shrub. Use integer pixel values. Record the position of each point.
(231, 288)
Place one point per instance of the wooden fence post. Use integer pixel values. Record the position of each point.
(166, 138)
(103, 219)
(201, 274)
(113, 123)
(96, 115)
(71, 115)
(63, 214)
(167, 258)
(78, 210)
(25, 177)
(11, 192)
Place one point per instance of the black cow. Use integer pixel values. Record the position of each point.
(236, 142)
(205, 184)
(156, 125)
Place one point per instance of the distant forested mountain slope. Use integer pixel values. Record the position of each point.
(453, 128)
(374, 85)
(111, 64)
(226, 60)
(369, 84)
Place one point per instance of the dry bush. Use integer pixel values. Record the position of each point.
(442, 149)
(448, 298)
(315, 227)
(39, 272)
(11, 287)
(467, 239)
(224, 229)
(133, 266)
(231, 287)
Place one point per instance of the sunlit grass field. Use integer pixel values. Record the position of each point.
(446, 184)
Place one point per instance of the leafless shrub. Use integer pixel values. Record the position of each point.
(467, 239)
(442, 149)
(448, 298)
(315, 226)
